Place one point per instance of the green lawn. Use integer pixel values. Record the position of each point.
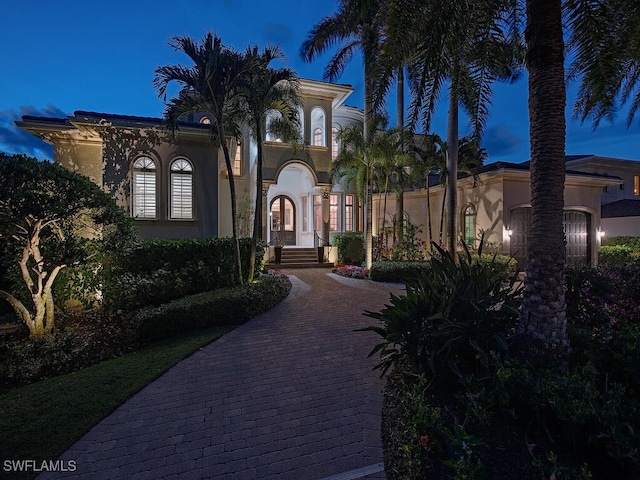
(40, 421)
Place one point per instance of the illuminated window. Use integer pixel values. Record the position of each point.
(305, 214)
(348, 213)
(636, 185)
(317, 213)
(237, 161)
(181, 189)
(205, 120)
(469, 225)
(318, 127)
(334, 205)
(143, 188)
(334, 142)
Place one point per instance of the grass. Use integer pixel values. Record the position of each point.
(42, 420)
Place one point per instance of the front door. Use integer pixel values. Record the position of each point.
(283, 220)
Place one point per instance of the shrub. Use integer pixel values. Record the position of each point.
(453, 320)
(152, 272)
(350, 248)
(618, 255)
(400, 271)
(227, 306)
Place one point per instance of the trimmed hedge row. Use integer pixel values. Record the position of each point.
(397, 271)
(153, 272)
(226, 306)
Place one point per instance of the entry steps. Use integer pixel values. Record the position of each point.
(297, 257)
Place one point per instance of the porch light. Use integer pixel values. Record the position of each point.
(509, 231)
(600, 233)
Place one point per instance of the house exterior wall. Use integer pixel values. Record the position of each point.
(494, 196)
(621, 226)
(625, 169)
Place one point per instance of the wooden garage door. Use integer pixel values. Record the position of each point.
(576, 232)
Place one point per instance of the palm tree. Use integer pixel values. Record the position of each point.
(357, 24)
(268, 91)
(543, 312)
(605, 39)
(466, 45)
(210, 86)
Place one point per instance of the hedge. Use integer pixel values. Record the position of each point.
(397, 271)
(225, 306)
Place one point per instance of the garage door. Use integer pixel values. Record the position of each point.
(576, 231)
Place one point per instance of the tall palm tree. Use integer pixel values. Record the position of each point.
(211, 86)
(543, 313)
(357, 25)
(268, 90)
(605, 39)
(466, 45)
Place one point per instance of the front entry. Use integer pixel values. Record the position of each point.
(282, 215)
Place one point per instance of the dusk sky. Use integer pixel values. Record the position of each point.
(59, 57)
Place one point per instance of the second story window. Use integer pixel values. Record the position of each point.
(143, 188)
(273, 118)
(334, 142)
(318, 127)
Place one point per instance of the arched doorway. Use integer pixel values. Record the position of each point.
(282, 215)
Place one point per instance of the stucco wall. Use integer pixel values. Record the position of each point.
(621, 226)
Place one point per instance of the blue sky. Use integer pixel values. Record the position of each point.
(58, 57)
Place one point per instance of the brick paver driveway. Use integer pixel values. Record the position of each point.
(289, 395)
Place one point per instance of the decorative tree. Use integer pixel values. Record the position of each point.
(52, 218)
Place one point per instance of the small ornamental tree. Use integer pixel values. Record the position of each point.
(51, 218)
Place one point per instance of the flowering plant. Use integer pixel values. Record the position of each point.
(351, 271)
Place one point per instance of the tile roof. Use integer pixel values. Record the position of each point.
(621, 208)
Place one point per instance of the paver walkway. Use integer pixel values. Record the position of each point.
(289, 395)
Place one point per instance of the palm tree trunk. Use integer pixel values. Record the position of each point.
(429, 229)
(257, 217)
(400, 125)
(442, 210)
(368, 109)
(543, 315)
(232, 192)
(452, 168)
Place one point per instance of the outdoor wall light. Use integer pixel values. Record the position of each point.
(509, 231)
(600, 233)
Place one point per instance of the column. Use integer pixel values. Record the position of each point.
(326, 212)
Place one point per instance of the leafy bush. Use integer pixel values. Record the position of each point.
(400, 271)
(152, 272)
(620, 251)
(350, 248)
(453, 319)
(227, 306)
(618, 254)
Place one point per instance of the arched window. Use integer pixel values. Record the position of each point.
(273, 116)
(181, 189)
(318, 127)
(143, 188)
(469, 225)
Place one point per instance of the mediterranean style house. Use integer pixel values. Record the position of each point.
(177, 187)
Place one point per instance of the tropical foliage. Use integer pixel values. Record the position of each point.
(52, 219)
(211, 86)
